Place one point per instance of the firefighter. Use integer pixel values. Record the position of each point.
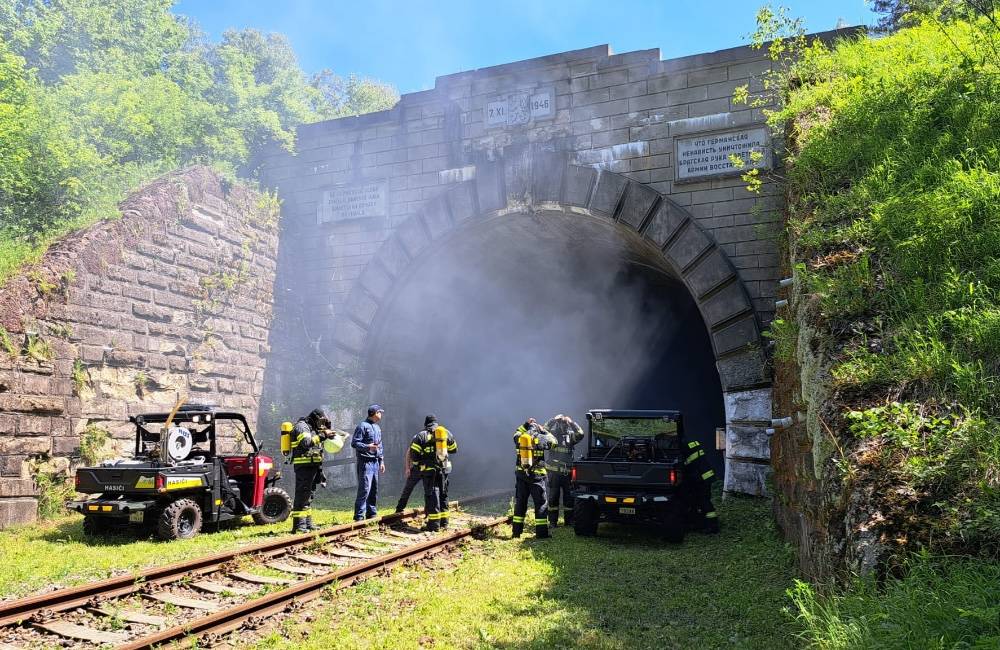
(433, 447)
(413, 477)
(307, 460)
(698, 477)
(567, 433)
(531, 440)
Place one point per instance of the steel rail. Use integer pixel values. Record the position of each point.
(275, 602)
(19, 611)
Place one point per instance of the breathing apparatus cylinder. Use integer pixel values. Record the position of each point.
(525, 446)
(286, 437)
(441, 444)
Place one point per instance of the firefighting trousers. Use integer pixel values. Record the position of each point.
(305, 487)
(412, 481)
(559, 488)
(530, 486)
(701, 510)
(436, 500)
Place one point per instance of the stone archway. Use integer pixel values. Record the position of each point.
(537, 181)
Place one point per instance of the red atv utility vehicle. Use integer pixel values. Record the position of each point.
(178, 479)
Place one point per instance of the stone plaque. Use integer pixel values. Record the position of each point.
(521, 108)
(543, 104)
(347, 202)
(518, 109)
(496, 113)
(708, 154)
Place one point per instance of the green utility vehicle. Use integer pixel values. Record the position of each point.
(632, 472)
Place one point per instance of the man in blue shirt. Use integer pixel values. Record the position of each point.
(367, 443)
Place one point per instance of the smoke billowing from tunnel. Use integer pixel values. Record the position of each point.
(530, 316)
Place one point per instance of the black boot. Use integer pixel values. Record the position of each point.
(542, 531)
(517, 529)
(299, 525)
(309, 524)
(443, 523)
(553, 520)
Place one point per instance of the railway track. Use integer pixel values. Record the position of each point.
(216, 594)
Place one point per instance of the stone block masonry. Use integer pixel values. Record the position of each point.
(172, 299)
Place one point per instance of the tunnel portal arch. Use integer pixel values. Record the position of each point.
(543, 183)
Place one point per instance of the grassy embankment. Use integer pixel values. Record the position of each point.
(894, 233)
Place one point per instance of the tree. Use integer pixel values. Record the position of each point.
(904, 13)
(60, 37)
(353, 95)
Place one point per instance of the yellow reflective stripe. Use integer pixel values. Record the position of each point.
(453, 446)
(415, 447)
(518, 520)
(306, 460)
(693, 444)
(693, 457)
(707, 475)
(711, 515)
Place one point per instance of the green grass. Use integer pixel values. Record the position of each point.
(624, 589)
(940, 603)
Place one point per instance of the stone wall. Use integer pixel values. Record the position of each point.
(172, 299)
(619, 113)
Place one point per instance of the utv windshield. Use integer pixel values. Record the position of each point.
(634, 438)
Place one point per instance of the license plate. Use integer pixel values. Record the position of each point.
(136, 517)
(627, 511)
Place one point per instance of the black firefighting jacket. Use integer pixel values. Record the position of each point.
(541, 440)
(567, 434)
(423, 452)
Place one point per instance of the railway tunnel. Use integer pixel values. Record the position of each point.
(533, 314)
(540, 237)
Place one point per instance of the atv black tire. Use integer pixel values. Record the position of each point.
(98, 527)
(276, 507)
(585, 517)
(180, 520)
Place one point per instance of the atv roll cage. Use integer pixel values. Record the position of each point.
(200, 420)
(633, 435)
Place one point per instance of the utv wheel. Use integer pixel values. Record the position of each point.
(180, 520)
(585, 517)
(275, 509)
(97, 527)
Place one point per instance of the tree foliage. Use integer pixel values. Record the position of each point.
(96, 97)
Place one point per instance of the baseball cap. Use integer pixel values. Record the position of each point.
(374, 408)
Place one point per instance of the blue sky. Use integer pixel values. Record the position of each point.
(409, 43)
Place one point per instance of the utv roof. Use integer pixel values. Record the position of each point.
(617, 413)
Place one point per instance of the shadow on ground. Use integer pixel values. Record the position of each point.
(628, 589)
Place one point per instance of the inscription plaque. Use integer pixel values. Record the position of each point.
(496, 113)
(543, 104)
(521, 108)
(708, 154)
(348, 202)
